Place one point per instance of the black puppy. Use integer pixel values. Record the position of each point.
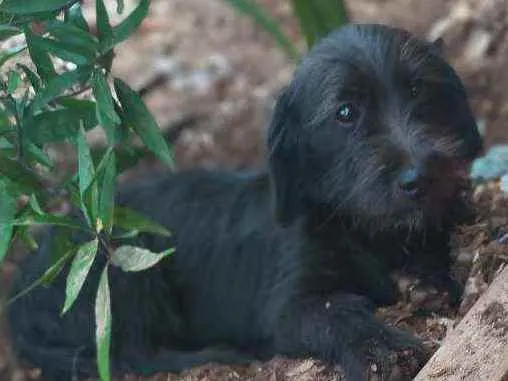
(368, 146)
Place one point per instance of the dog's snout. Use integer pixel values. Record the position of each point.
(416, 180)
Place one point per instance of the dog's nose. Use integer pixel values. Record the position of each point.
(412, 181)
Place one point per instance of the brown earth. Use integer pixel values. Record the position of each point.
(220, 72)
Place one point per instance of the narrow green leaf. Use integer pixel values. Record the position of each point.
(131, 258)
(87, 186)
(74, 36)
(32, 152)
(7, 31)
(142, 121)
(35, 153)
(80, 267)
(19, 175)
(47, 219)
(86, 167)
(131, 23)
(13, 81)
(24, 7)
(25, 19)
(31, 76)
(107, 176)
(40, 57)
(7, 213)
(58, 84)
(105, 110)
(103, 326)
(106, 60)
(34, 204)
(5, 125)
(104, 29)
(67, 51)
(59, 125)
(24, 235)
(49, 275)
(74, 15)
(319, 18)
(263, 19)
(130, 220)
(83, 108)
(6, 231)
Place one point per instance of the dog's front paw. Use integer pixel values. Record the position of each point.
(393, 355)
(429, 294)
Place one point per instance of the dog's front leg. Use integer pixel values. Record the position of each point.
(342, 329)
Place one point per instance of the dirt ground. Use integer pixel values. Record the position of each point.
(217, 74)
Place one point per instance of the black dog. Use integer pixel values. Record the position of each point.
(368, 146)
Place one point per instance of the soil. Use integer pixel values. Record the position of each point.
(205, 67)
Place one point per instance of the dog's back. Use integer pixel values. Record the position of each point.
(191, 300)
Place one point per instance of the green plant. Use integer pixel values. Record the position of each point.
(41, 104)
(316, 19)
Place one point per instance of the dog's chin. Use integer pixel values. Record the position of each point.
(405, 214)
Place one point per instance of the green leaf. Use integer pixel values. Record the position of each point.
(46, 278)
(105, 110)
(103, 326)
(7, 31)
(74, 15)
(131, 258)
(13, 81)
(128, 26)
(74, 36)
(67, 51)
(59, 125)
(24, 235)
(104, 29)
(319, 18)
(31, 76)
(47, 219)
(7, 213)
(107, 175)
(7, 54)
(37, 154)
(5, 125)
(34, 204)
(19, 175)
(87, 186)
(263, 19)
(141, 120)
(24, 7)
(130, 220)
(80, 267)
(51, 273)
(40, 57)
(25, 19)
(58, 84)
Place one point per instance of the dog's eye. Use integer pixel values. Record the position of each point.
(347, 113)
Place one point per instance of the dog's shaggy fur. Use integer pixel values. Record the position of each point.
(367, 149)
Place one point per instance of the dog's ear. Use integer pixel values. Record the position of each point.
(284, 159)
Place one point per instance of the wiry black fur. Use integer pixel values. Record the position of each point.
(294, 260)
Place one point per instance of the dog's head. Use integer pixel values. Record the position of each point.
(375, 124)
